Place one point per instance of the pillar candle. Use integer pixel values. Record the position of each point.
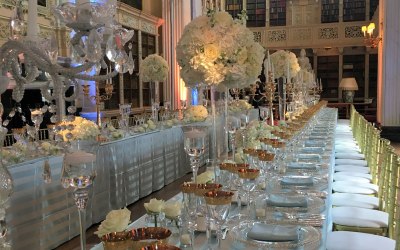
(288, 72)
(32, 30)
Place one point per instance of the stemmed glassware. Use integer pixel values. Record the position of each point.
(218, 204)
(79, 172)
(194, 145)
(248, 178)
(264, 113)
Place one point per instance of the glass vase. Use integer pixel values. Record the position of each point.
(79, 172)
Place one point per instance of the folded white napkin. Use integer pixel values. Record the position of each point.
(276, 200)
(309, 158)
(302, 165)
(297, 181)
(265, 232)
(312, 150)
(315, 143)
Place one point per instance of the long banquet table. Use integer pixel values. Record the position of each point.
(43, 216)
(230, 242)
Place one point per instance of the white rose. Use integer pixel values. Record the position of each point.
(155, 206)
(116, 221)
(172, 209)
(205, 177)
(211, 51)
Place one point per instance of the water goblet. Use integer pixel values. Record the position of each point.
(248, 178)
(79, 172)
(264, 113)
(218, 204)
(194, 145)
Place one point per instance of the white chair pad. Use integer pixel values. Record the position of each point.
(347, 150)
(343, 147)
(355, 174)
(352, 168)
(349, 155)
(342, 240)
(362, 163)
(359, 217)
(350, 178)
(355, 200)
(343, 122)
(354, 187)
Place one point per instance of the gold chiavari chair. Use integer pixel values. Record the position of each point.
(339, 240)
(368, 220)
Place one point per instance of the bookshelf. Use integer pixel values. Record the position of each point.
(373, 75)
(373, 4)
(329, 11)
(358, 64)
(234, 7)
(277, 12)
(353, 10)
(255, 13)
(328, 71)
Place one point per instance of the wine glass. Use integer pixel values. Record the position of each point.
(264, 113)
(79, 172)
(194, 145)
(218, 204)
(248, 178)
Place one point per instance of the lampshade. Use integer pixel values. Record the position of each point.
(349, 83)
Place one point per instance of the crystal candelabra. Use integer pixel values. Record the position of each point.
(95, 36)
(270, 95)
(99, 98)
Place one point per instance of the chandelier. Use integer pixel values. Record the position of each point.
(369, 39)
(94, 37)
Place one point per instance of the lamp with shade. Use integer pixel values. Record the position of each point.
(348, 86)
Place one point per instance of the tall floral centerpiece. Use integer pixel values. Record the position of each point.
(215, 50)
(154, 68)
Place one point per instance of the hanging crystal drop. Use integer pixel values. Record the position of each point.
(44, 108)
(6, 122)
(121, 57)
(23, 118)
(52, 108)
(54, 119)
(93, 47)
(111, 52)
(71, 109)
(131, 62)
(12, 113)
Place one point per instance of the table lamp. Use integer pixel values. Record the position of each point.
(348, 85)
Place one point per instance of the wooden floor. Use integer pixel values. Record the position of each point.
(137, 210)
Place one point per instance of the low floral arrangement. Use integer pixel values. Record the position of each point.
(239, 106)
(171, 122)
(83, 129)
(253, 133)
(205, 177)
(196, 113)
(116, 221)
(115, 133)
(280, 60)
(154, 68)
(215, 49)
(155, 208)
(11, 156)
(172, 210)
(50, 149)
(149, 125)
